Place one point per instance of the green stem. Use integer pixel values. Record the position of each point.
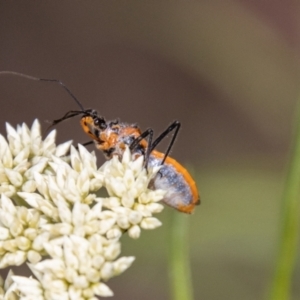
(285, 264)
(180, 273)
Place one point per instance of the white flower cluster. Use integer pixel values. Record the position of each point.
(49, 207)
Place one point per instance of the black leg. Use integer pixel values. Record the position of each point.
(174, 126)
(68, 115)
(85, 144)
(148, 133)
(135, 143)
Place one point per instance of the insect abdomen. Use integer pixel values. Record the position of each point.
(181, 189)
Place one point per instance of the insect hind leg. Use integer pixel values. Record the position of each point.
(175, 126)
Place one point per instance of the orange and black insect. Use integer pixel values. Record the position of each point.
(111, 137)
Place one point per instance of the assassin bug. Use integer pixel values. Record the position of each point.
(111, 137)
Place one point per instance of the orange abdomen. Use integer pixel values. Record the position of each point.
(182, 192)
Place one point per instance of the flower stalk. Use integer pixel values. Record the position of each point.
(290, 230)
(179, 261)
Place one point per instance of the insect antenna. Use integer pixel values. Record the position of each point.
(69, 114)
(47, 80)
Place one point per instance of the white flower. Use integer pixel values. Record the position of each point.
(7, 287)
(19, 233)
(54, 211)
(127, 184)
(77, 265)
(24, 154)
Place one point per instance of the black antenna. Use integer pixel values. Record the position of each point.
(43, 79)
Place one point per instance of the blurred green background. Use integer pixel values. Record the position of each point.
(228, 70)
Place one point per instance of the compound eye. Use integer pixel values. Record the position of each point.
(100, 123)
(97, 122)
